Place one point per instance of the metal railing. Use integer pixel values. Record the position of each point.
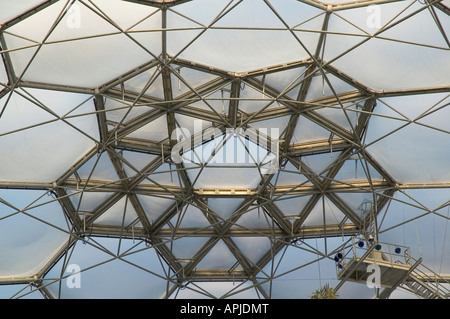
(428, 284)
(421, 280)
(382, 252)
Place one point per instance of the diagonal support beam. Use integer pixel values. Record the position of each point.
(99, 103)
(234, 102)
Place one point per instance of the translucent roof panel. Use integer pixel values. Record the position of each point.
(33, 229)
(224, 148)
(82, 28)
(44, 121)
(234, 31)
(395, 48)
(13, 8)
(119, 260)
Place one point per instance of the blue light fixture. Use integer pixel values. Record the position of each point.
(338, 257)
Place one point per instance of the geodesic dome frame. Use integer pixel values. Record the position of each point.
(92, 92)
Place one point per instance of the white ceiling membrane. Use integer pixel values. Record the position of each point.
(150, 149)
